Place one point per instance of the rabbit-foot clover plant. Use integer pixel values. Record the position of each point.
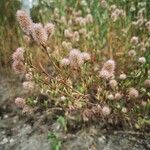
(102, 77)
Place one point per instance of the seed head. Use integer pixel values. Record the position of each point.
(106, 110)
(147, 83)
(18, 67)
(39, 34)
(28, 86)
(122, 76)
(85, 56)
(20, 102)
(50, 28)
(18, 54)
(65, 62)
(113, 84)
(133, 93)
(142, 60)
(25, 21)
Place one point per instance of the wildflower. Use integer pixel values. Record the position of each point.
(110, 97)
(122, 76)
(83, 31)
(63, 19)
(74, 53)
(50, 28)
(76, 36)
(39, 34)
(89, 18)
(18, 54)
(147, 83)
(143, 49)
(70, 22)
(28, 85)
(148, 25)
(63, 98)
(68, 33)
(133, 93)
(132, 53)
(142, 60)
(82, 22)
(85, 56)
(113, 84)
(134, 40)
(67, 45)
(20, 102)
(26, 39)
(106, 110)
(112, 8)
(65, 62)
(75, 57)
(109, 65)
(27, 109)
(105, 74)
(114, 16)
(107, 70)
(24, 21)
(118, 96)
(18, 67)
(124, 110)
(103, 3)
(29, 76)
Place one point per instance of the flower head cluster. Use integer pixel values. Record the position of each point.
(39, 34)
(20, 102)
(103, 3)
(24, 21)
(108, 69)
(18, 58)
(76, 58)
(28, 86)
(49, 28)
(67, 45)
(117, 13)
(106, 110)
(133, 93)
(147, 83)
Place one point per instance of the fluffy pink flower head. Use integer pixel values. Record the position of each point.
(20, 102)
(147, 83)
(113, 84)
(106, 111)
(118, 96)
(65, 62)
(29, 76)
(18, 67)
(28, 86)
(18, 54)
(109, 65)
(39, 34)
(134, 40)
(86, 56)
(68, 33)
(105, 74)
(108, 69)
(24, 21)
(67, 45)
(89, 18)
(74, 53)
(133, 93)
(50, 28)
(75, 58)
(76, 36)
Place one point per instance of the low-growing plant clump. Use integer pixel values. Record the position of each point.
(97, 78)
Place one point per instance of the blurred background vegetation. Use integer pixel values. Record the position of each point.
(11, 36)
